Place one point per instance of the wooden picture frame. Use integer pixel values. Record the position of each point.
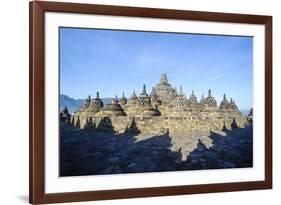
(37, 11)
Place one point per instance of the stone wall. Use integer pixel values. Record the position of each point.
(159, 124)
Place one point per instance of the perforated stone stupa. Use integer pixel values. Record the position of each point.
(164, 110)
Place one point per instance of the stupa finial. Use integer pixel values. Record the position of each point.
(202, 97)
(153, 93)
(143, 88)
(133, 94)
(115, 100)
(209, 93)
(181, 90)
(163, 79)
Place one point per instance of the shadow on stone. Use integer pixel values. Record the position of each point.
(233, 149)
(78, 124)
(97, 153)
(112, 153)
(133, 127)
(105, 125)
(224, 127)
(90, 125)
(234, 124)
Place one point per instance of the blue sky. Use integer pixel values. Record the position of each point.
(113, 62)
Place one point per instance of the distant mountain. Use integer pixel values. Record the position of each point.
(106, 101)
(74, 104)
(71, 104)
(245, 112)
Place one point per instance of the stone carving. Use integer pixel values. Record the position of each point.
(164, 109)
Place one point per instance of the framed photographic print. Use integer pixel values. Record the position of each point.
(139, 102)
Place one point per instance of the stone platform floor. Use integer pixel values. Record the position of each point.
(85, 152)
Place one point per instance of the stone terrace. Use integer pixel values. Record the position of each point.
(88, 152)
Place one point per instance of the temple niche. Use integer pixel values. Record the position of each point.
(164, 108)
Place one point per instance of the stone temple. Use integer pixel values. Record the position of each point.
(163, 110)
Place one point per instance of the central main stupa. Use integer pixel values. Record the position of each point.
(164, 90)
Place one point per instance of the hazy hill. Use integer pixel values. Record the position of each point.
(245, 112)
(74, 104)
(71, 104)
